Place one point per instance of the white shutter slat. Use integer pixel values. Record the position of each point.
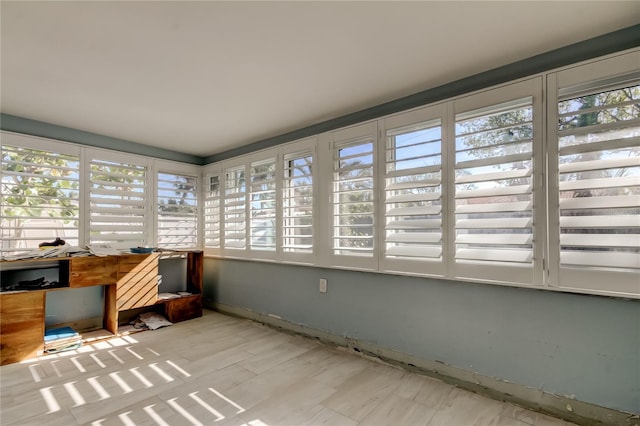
(600, 240)
(600, 259)
(41, 175)
(498, 239)
(107, 211)
(409, 198)
(506, 174)
(494, 161)
(393, 171)
(414, 211)
(424, 183)
(298, 247)
(115, 219)
(582, 146)
(600, 202)
(602, 221)
(137, 184)
(517, 206)
(121, 201)
(415, 251)
(97, 226)
(513, 222)
(400, 224)
(613, 182)
(234, 244)
(494, 192)
(126, 236)
(511, 255)
(612, 163)
(414, 237)
(578, 131)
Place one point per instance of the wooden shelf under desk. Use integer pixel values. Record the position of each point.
(182, 308)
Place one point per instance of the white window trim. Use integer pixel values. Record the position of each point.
(207, 172)
(423, 267)
(503, 273)
(583, 280)
(177, 168)
(339, 138)
(149, 187)
(301, 147)
(267, 155)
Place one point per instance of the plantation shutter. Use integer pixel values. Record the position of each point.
(353, 198)
(40, 196)
(235, 203)
(298, 203)
(263, 205)
(413, 193)
(177, 210)
(599, 179)
(494, 187)
(118, 203)
(212, 212)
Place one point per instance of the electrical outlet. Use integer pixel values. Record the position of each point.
(323, 285)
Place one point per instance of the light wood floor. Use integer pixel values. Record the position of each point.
(219, 370)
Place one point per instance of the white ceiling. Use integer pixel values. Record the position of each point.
(205, 77)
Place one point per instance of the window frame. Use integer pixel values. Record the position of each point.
(186, 170)
(424, 267)
(205, 179)
(263, 157)
(504, 272)
(303, 147)
(339, 139)
(148, 214)
(58, 147)
(592, 76)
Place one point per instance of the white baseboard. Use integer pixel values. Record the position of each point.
(573, 410)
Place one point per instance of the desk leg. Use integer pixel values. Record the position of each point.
(110, 317)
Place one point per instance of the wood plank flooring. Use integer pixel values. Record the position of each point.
(219, 370)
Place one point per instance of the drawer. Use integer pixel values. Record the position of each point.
(89, 271)
(129, 262)
(21, 326)
(183, 308)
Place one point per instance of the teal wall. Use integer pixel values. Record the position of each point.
(565, 344)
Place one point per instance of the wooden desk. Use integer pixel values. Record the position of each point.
(129, 280)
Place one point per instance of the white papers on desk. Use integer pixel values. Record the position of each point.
(39, 253)
(103, 250)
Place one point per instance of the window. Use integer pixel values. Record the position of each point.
(413, 197)
(263, 205)
(353, 198)
(234, 224)
(177, 210)
(494, 186)
(212, 212)
(40, 196)
(598, 174)
(118, 203)
(298, 203)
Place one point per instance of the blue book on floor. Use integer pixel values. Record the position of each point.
(59, 333)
